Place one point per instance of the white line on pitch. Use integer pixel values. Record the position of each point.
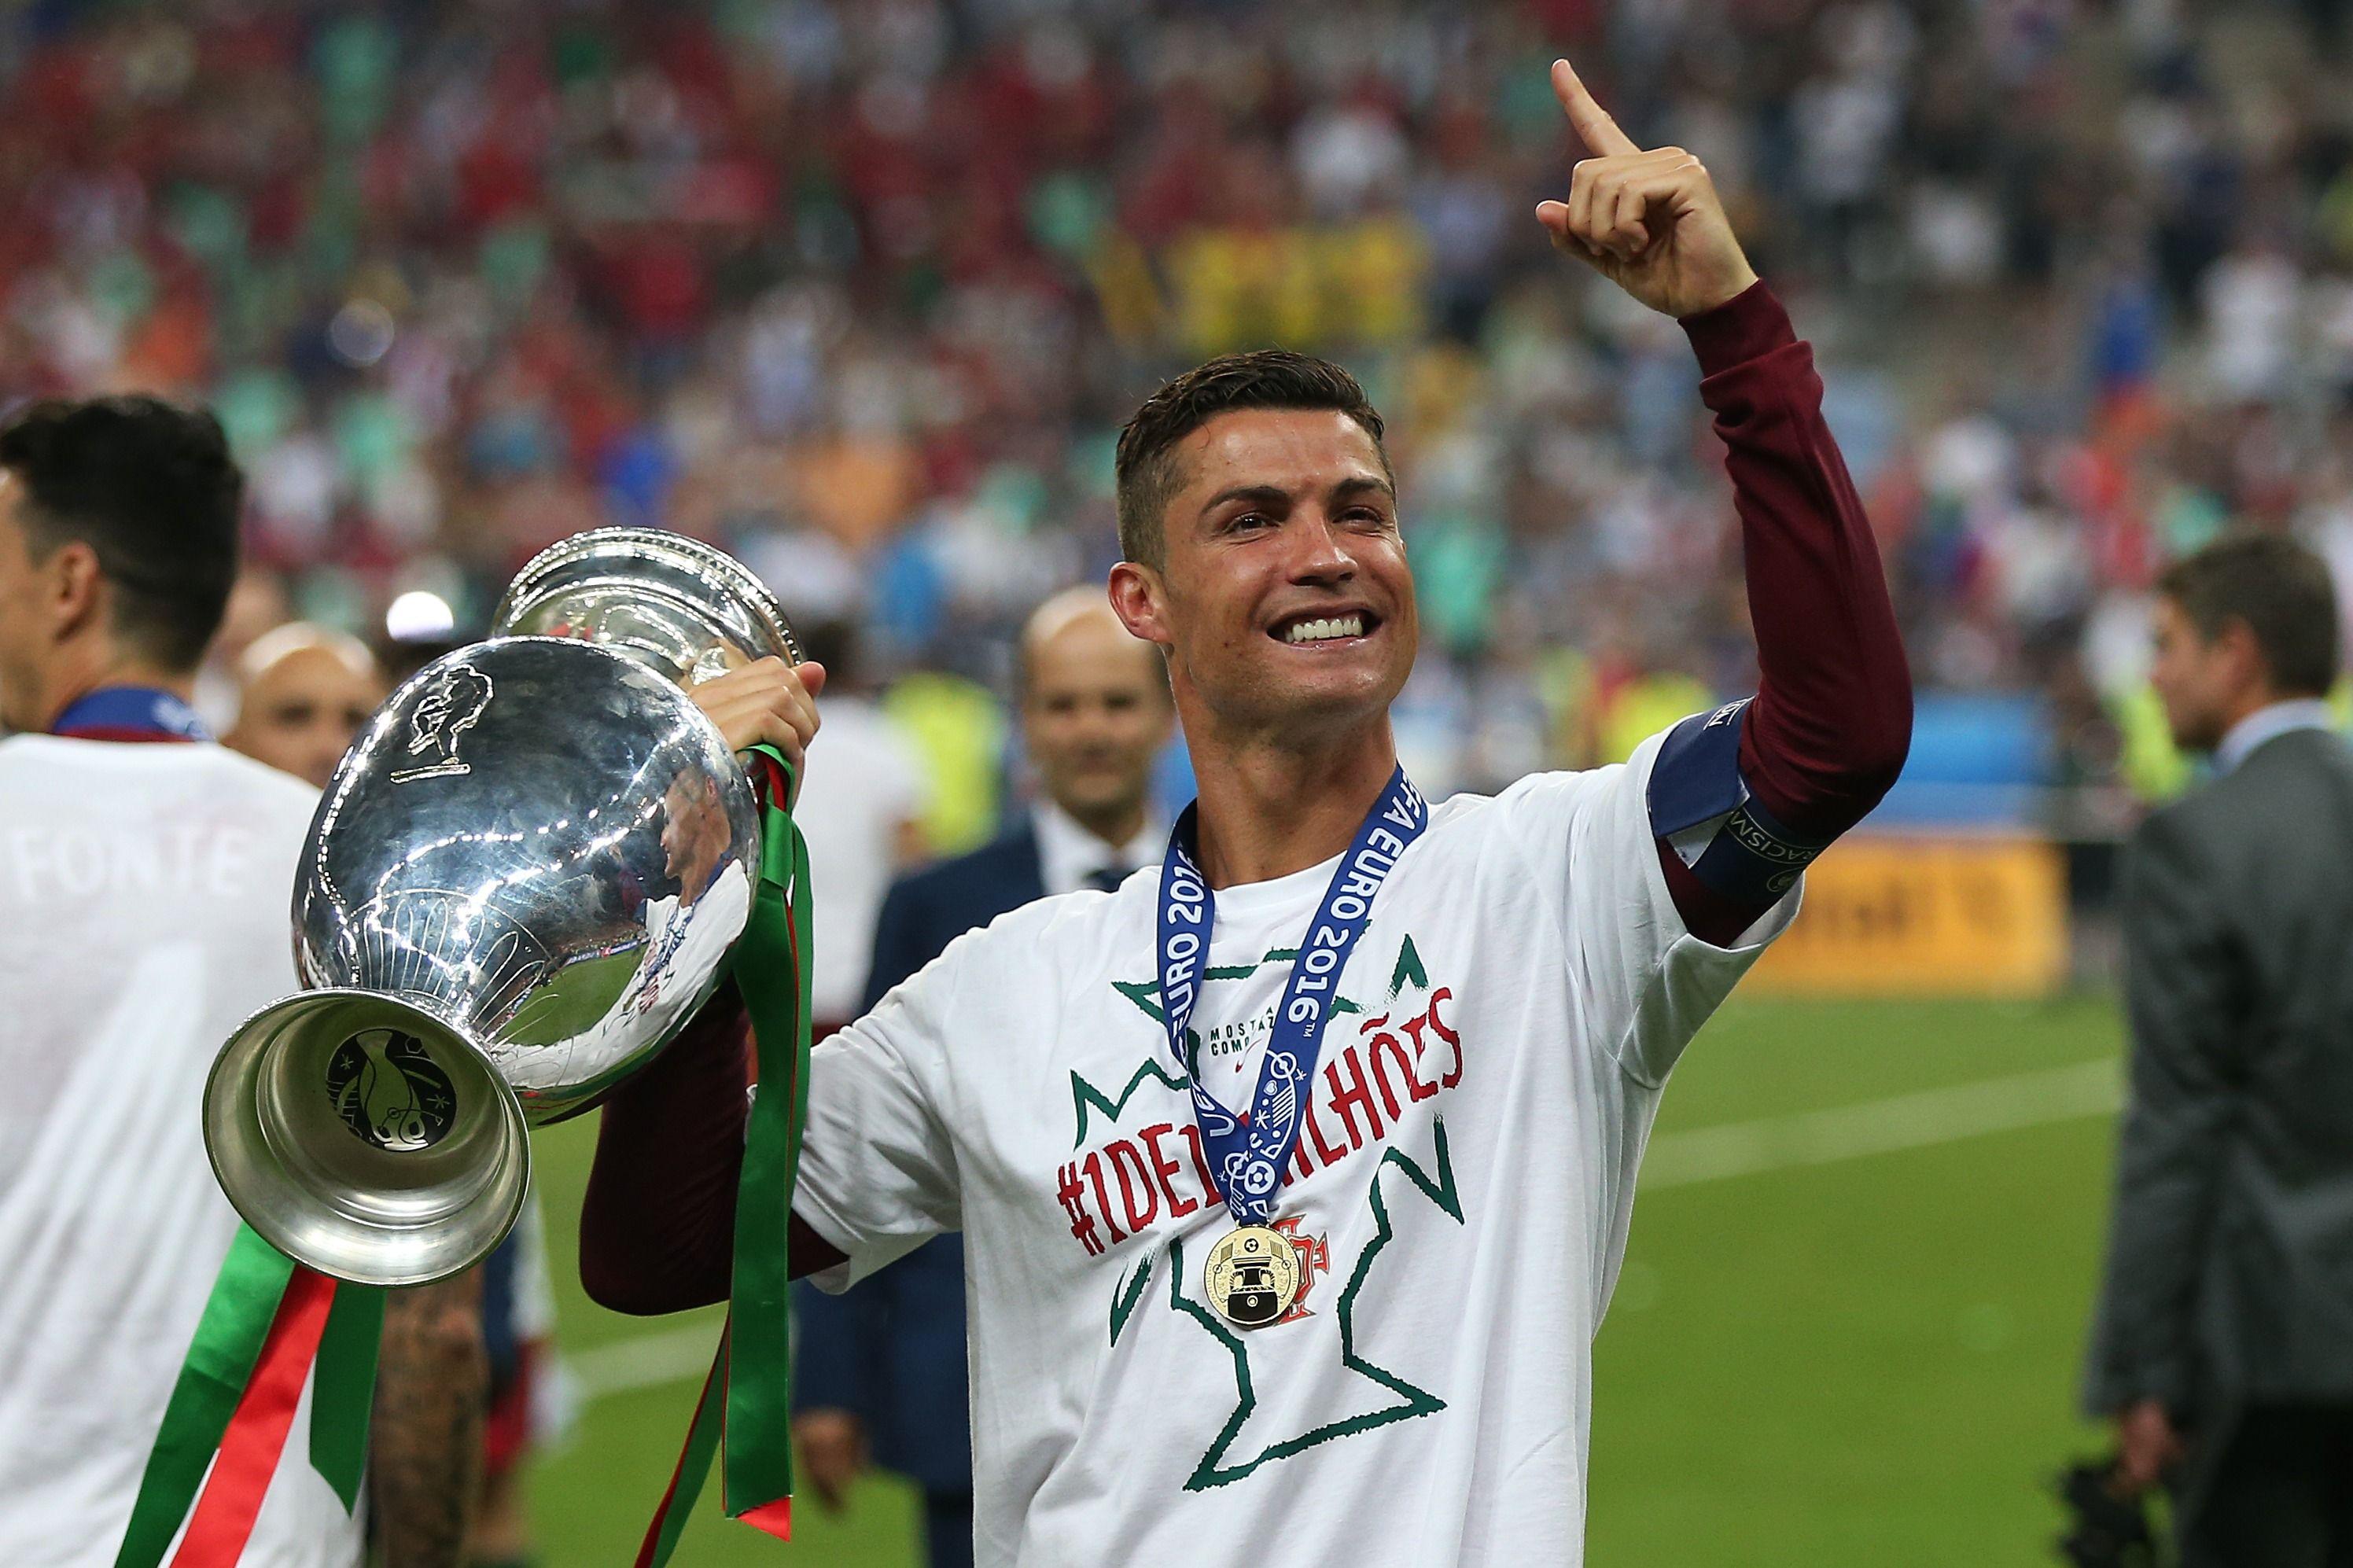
(1882, 1126)
(642, 1361)
(1888, 1126)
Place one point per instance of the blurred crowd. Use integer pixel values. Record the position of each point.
(861, 289)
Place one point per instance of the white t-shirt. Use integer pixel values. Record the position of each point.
(1459, 1196)
(864, 781)
(144, 899)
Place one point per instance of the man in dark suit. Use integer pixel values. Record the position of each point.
(2223, 1347)
(882, 1367)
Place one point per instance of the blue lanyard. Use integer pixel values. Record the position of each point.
(130, 713)
(1248, 1153)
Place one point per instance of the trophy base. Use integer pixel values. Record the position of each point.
(365, 1138)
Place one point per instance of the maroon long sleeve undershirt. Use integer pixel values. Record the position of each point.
(657, 1227)
(1821, 744)
(1832, 719)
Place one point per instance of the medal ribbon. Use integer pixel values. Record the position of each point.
(1247, 1152)
(266, 1321)
(746, 1409)
(129, 713)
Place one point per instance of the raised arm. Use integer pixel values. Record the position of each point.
(1743, 798)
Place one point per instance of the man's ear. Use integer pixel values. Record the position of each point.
(2249, 668)
(73, 589)
(1138, 598)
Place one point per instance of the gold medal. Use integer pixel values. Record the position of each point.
(1252, 1276)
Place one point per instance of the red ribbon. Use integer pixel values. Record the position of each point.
(225, 1513)
(775, 1518)
(694, 1463)
(123, 732)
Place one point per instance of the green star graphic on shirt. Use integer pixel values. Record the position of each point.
(1219, 1466)
(1215, 1468)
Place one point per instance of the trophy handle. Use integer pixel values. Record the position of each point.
(366, 1138)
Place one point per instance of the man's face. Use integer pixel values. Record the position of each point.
(1095, 713)
(1284, 595)
(2201, 681)
(23, 628)
(300, 713)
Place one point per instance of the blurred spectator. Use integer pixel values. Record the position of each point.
(861, 806)
(859, 292)
(2223, 1349)
(307, 693)
(528, 1395)
(256, 605)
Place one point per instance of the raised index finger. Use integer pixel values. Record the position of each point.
(1602, 138)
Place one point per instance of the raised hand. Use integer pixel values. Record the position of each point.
(1650, 222)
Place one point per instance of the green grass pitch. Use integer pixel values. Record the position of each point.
(1857, 1362)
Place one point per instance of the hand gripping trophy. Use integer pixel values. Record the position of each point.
(526, 875)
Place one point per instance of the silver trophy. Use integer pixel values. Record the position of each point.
(524, 878)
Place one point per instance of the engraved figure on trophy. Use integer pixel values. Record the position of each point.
(450, 706)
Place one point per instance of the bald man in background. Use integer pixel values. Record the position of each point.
(882, 1367)
(304, 692)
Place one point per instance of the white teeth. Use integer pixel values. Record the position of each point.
(1324, 630)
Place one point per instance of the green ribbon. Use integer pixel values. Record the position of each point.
(343, 1389)
(770, 969)
(220, 1362)
(694, 1463)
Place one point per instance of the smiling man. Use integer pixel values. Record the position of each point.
(1294, 1173)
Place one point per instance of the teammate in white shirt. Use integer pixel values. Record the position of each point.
(1316, 1279)
(144, 894)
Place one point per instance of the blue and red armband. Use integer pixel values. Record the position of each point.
(1702, 809)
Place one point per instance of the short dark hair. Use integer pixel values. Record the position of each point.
(1262, 378)
(2279, 590)
(151, 488)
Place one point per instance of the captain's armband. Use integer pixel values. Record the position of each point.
(1701, 806)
